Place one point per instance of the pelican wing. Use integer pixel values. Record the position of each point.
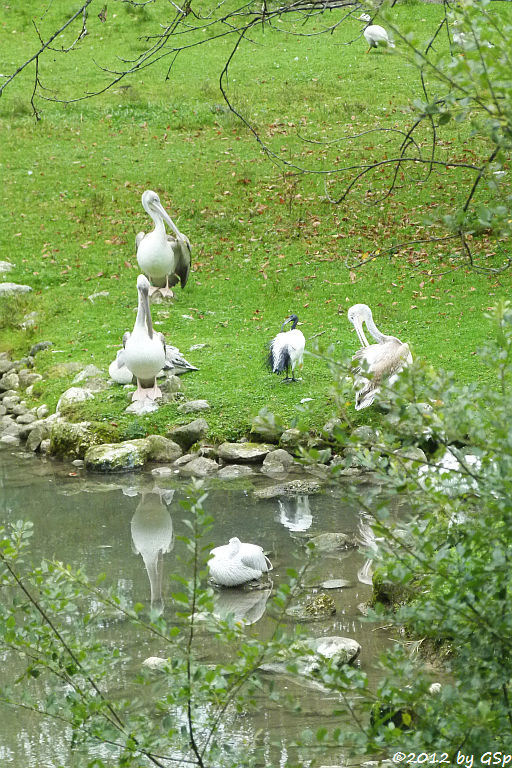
(175, 361)
(139, 237)
(182, 259)
(231, 571)
(253, 556)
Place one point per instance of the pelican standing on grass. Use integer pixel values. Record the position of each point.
(375, 364)
(144, 349)
(163, 258)
(375, 35)
(237, 562)
(287, 350)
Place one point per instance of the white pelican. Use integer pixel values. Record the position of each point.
(152, 537)
(144, 349)
(162, 257)
(287, 350)
(237, 563)
(382, 361)
(375, 35)
(175, 363)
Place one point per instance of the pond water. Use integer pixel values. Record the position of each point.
(116, 525)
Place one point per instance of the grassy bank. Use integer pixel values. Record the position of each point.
(266, 242)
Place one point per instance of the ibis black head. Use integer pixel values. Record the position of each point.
(293, 319)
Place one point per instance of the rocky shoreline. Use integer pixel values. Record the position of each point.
(184, 450)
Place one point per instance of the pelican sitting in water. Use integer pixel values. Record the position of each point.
(144, 349)
(164, 258)
(236, 563)
(287, 350)
(375, 363)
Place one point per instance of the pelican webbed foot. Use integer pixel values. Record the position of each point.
(152, 393)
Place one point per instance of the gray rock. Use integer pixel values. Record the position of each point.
(277, 462)
(411, 455)
(35, 348)
(6, 266)
(44, 448)
(199, 467)
(339, 650)
(12, 440)
(12, 429)
(42, 411)
(89, 372)
(194, 405)
(5, 365)
(118, 457)
(3, 410)
(244, 452)
(142, 407)
(11, 289)
(208, 451)
(37, 434)
(18, 409)
(10, 401)
(73, 396)
(9, 381)
(59, 370)
(330, 542)
(163, 472)
(332, 429)
(289, 489)
(291, 439)
(71, 440)
(170, 385)
(319, 607)
(163, 449)
(365, 435)
(184, 459)
(27, 377)
(26, 418)
(233, 471)
(189, 434)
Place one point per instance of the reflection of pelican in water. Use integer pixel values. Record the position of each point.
(367, 539)
(246, 607)
(152, 537)
(295, 514)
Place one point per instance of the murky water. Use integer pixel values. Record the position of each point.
(126, 527)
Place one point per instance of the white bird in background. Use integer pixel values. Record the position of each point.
(236, 563)
(287, 350)
(375, 35)
(164, 258)
(144, 349)
(375, 364)
(152, 538)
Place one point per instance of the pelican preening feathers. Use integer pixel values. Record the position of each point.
(375, 364)
(237, 563)
(287, 350)
(163, 258)
(375, 35)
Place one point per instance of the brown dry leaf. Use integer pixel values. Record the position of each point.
(352, 276)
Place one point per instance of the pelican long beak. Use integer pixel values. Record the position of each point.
(163, 213)
(144, 299)
(358, 325)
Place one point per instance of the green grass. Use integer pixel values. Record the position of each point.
(265, 241)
